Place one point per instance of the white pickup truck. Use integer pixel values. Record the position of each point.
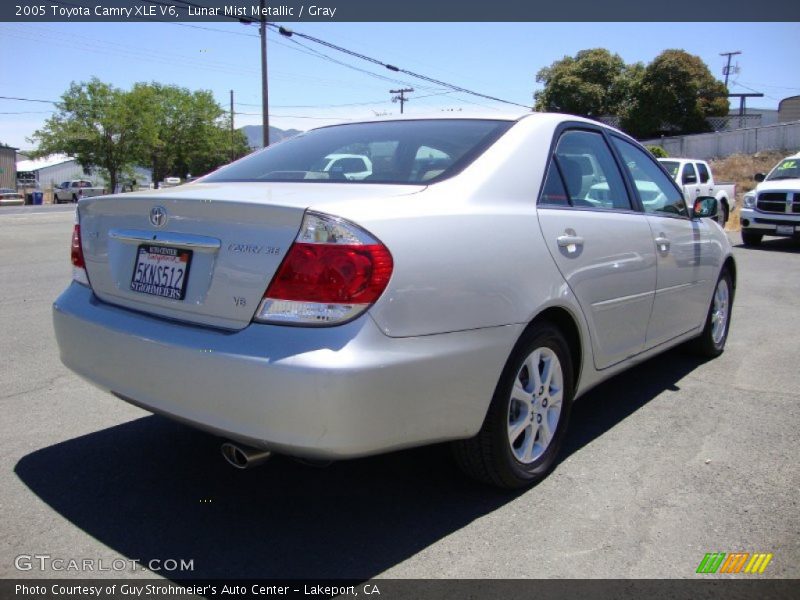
(773, 208)
(696, 179)
(72, 191)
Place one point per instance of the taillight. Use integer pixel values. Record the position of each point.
(78, 264)
(332, 273)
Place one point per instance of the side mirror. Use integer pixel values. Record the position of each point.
(689, 179)
(759, 177)
(705, 207)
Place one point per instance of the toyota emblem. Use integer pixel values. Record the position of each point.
(158, 216)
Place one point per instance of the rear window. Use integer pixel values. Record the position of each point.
(383, 152)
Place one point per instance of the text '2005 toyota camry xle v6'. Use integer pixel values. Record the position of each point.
(471, 283)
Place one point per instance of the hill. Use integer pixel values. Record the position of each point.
(254, 134)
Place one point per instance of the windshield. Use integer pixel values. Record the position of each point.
(381, 152)
(788, 169)
(671, 166)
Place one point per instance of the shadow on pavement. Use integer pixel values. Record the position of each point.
(153, 489)
(773, 244)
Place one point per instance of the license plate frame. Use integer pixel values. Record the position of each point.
(784, 229)
(161, 271)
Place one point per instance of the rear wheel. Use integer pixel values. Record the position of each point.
(55, 199)
(527, 418)
(723, 214)
(751, 239)
(74, 198)
(711, 342)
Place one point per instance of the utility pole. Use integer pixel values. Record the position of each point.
(264, 87)
(726, 70)
(232, 129)
(402, 98)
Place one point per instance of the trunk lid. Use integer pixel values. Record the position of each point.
(223, 242)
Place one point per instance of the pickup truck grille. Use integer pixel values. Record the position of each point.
(776, 202)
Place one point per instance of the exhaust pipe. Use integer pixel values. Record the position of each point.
(244, 457)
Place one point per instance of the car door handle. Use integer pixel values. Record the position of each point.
(662, 243)
(565, 241)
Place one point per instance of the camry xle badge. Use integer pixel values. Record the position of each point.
(158, 216)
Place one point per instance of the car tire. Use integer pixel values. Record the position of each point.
(711, 342)
(527, 419)
(74, 198)
(55, 199)
(751, 239)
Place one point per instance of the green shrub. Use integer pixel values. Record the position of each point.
(657, 151)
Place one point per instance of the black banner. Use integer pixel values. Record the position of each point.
(402, 589)
(406, 11)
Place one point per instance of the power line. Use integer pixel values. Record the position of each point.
(289, 33)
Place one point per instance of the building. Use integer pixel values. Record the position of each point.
(789, 109)
(8, 167)
(50, 171)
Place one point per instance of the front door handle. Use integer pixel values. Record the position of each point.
(565, 241)
(662, 243)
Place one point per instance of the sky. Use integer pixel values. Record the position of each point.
(39, 60)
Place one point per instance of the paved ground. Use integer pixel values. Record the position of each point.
(663, 464)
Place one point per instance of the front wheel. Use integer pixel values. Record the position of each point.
(751, 239)
(711, 342)
(527, 418)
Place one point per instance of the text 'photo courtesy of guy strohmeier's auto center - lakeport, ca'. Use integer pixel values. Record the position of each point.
(424, 300)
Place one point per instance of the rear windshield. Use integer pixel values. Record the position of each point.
(382, 152)
(671, 166)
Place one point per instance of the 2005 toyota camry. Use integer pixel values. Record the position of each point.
(462, 279)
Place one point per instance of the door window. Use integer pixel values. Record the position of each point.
(704, 175)
(583, 174)
(656, 191)
(688, 175)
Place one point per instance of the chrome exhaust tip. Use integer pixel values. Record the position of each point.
(244, 457)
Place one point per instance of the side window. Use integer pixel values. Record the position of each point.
(582, 173)
(688, 175)
(656, 190)
(704, 175)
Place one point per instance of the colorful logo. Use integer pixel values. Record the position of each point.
(734, 562)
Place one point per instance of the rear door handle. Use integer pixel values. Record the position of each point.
(662, 243)
(565, 241)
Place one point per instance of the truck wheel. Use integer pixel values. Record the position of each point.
(751, 239)
(527, 418)
(723, 214)
(74, 198)
(55, 199)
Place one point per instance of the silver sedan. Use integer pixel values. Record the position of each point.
(484, 274)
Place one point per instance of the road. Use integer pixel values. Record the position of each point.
(663, 464)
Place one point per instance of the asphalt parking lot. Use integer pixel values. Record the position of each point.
(667, 462)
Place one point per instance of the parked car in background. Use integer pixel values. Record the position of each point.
(773, 208)
(696, 179)
(10, 197)
(469, 299)
(72, 191)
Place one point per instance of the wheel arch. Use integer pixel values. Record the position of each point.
(566, 322)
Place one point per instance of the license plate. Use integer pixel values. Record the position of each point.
(784, 229)
(161, 271)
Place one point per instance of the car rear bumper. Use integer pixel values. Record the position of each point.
(332, 392)
(770, 223)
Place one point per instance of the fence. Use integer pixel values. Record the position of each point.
(781, 136)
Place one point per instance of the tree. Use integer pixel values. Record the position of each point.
(192, 131)
(98, 124)
(675, 94)
(591, 84)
